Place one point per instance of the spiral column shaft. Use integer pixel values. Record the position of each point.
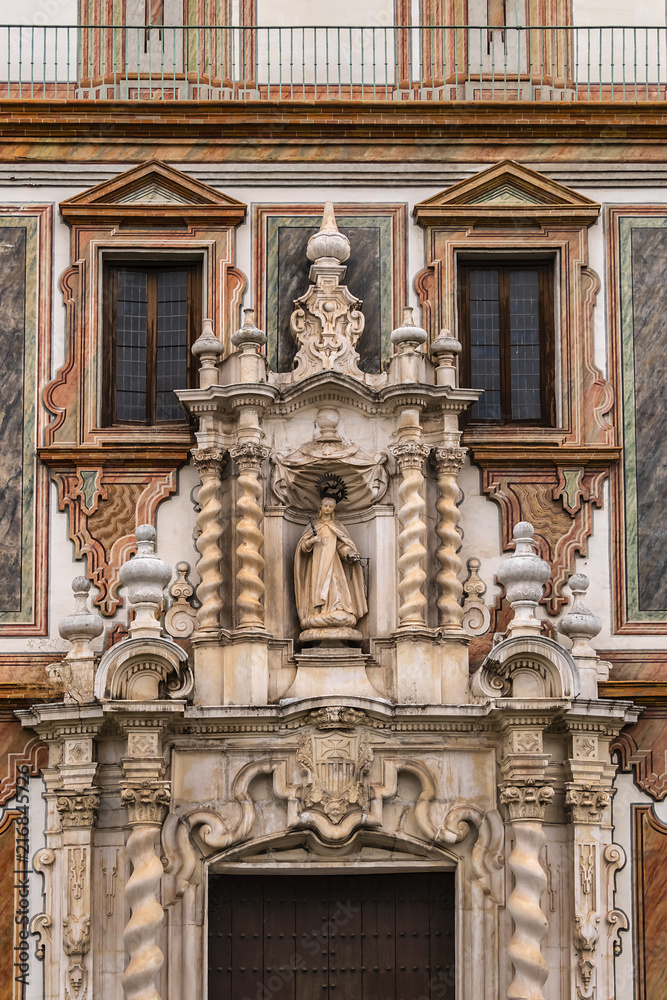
(143, 928)
(410, 456)
(249, 456)
(209, 463)
(145, 804)
(448, 462)
(526, 804)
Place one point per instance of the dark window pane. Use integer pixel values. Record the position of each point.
(485, 343)
(131, 326)
(172, 343)
(524, 319)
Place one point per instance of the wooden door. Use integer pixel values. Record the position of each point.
(334, 937)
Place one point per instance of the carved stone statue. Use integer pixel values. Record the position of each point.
(328, 580)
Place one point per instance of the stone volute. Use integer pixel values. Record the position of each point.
(207, 348)
(524, 575)
(83, 625)
(580, 624)
(145, 576)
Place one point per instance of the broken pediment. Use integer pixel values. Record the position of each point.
(506, 193)
(150, 192)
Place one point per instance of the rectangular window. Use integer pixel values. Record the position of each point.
(152, 316)
(507, 331)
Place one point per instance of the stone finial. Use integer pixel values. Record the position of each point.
(83, 625)
(327, 321)
(524, 575)
(408, 363)
(444, 350)
(409, 335)
(328, 245)
(580, 625)
(207, 348)
(249, 334)
(145, 576)
(249, 341)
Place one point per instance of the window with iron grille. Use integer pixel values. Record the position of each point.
(506, 316)
(152, 317)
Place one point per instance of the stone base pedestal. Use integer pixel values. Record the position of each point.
(331, 672)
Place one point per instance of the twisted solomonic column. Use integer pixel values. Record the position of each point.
(209, 461)
(249, 457)
(447, 463)
(526, 804)
(410, 457)
(145, 803)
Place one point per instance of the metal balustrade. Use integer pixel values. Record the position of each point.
(368, 64)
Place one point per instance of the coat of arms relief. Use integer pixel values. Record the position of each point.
(334, 765)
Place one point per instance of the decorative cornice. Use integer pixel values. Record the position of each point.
(145, 801)
(78, 809)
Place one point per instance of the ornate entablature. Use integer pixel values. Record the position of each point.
(323, 717)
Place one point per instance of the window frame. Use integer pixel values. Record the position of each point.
(547, 334)
(111, 268)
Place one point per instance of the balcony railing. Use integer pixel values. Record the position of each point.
(441, 63)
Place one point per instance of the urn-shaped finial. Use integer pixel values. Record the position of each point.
(524, 575)
(444, 350)
(207, 348)
(145, 576)
(408, 333)
(249, 333)
(82, 625)
(328, 245)
(580, 624)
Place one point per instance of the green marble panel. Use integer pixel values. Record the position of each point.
(643, 249)
(369, 277)
(19, 255)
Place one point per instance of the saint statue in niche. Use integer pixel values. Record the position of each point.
(328, 580)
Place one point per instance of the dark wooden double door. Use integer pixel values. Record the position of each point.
(331, 937)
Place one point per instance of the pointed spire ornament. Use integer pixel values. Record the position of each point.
(327, 321)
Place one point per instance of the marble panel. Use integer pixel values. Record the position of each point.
(24, 350)
(12, 417)
(369, 277)
(643, 260)
(650, 862)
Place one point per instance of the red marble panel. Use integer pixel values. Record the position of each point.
(650, 877)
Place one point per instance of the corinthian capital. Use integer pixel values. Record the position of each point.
(145, 801)
(208, 459)
(586, 803)
(526, 801)
(78, 809)
(449, 460)
(249, 455)
(410, 454)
